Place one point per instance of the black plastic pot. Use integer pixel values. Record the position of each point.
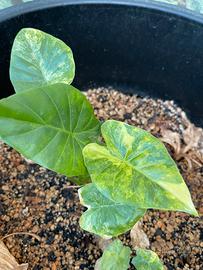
(143, 47)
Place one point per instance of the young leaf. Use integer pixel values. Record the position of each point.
(105, 217)
(115, 257)
(50, 126)
(147, 260)
(39, 59)
(135, 168)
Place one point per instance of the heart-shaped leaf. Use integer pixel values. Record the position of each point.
(39, 59)
(115, 257)
(50, 125)
(135, 168)
(147, 260)
(105, 217)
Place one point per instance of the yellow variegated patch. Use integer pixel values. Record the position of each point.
(39, 59)
(105, 217)
(135, 168)
(147, 260)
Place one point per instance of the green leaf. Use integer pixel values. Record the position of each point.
(147, 260)
(105, 217)
(39, 59)
(115, 257)
(135, 168)
(50, 125)
(80, 179)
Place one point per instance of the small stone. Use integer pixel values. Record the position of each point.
(139, 238)
(67, 194)
(52, 257)
(127, 115)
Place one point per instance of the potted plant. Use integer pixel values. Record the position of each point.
(41, 104)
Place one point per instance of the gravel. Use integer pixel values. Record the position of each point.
(36, 200)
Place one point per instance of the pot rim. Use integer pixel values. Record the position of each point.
(17, 10)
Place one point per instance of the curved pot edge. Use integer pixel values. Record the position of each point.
(20, 9)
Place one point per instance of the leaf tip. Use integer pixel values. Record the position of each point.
(191, 209)
(194, 212)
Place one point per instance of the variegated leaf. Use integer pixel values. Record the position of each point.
(135, 168)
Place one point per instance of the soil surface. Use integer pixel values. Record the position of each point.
(36, 200)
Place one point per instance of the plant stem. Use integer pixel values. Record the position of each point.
(73, 187)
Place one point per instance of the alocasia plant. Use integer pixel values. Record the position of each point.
(53, 123)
